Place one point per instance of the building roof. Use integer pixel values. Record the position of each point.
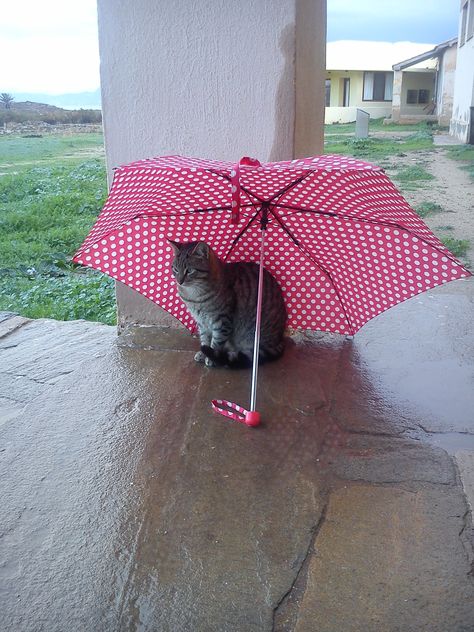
(362, 55)
(429, 54)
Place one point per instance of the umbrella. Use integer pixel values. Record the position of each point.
(334, 231)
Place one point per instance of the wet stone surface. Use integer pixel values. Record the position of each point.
(127, 504)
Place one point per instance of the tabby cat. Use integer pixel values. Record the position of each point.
(222, 298)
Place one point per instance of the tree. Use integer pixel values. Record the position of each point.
(6, 99)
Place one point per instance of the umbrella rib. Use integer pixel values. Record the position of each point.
(277, 195)
(242, 232)
(319, 265)
(371, 221)
(275, 199)
(242, 188)
(184, 213)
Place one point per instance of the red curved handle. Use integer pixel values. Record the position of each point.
(237, 413)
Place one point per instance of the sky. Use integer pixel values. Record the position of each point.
(51, 46)
(432, 21)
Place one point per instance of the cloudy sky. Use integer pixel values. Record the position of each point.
(51, 46)
(422, 21)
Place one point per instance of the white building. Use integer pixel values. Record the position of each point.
(462, 121)
(359, 74)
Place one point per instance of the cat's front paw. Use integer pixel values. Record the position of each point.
(200, 357)
(209, 362)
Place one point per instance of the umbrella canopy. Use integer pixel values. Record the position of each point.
(340, 239)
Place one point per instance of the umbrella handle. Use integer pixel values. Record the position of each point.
(258, 320)
(234, 411)
(237, 413)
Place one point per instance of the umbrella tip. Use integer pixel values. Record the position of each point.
(252, 418)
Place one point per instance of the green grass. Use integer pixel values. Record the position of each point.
(464, 153)
(425, 209)
(458, 247)
(18, 153)
(375, 149)
(45, 213)
(378, 125)
(72, 296)
(461, 152)
(412, 177)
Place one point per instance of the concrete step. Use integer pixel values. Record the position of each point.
(128, 504)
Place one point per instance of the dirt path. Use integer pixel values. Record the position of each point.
(452, 189)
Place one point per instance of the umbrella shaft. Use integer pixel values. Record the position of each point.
(256, 344)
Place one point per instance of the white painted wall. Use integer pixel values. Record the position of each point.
(339, 114)
(446, 77)
(210, 78)
(463, 88)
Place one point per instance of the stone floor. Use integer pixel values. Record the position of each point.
(127, 504)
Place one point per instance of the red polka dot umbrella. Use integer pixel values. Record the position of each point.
(340, 239)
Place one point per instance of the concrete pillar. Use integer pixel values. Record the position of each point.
(218, 79)
(446, 76)
(397, 94)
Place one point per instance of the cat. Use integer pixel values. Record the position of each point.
(222, 298)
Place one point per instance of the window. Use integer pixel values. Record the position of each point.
(415, 97)
(346, 92)
(412, 97)
(423, 96)
(378, 86)
(328, 92)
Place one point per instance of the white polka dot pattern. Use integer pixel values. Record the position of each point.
(341, 240)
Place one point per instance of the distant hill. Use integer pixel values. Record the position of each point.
(32, 107)
(69, 101)
(21, 112)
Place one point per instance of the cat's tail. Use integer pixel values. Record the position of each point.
(222, 358)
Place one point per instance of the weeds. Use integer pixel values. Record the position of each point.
(412, 177)
(465, 154)
(45, 213)
(376, 149)
(458, 247)
(413, 173)
(88, 296)
(426, 209)
(18, 154)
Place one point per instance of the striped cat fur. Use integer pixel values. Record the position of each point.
(222, 298)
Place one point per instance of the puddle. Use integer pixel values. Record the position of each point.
(452, 442)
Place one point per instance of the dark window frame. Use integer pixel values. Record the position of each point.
(373, 100)
(418, 96)
(327, 97)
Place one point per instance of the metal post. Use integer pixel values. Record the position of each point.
(258, 318)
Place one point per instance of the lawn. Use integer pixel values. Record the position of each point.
(20, 152)
(339, 139)
(46, 210)
(464, 154)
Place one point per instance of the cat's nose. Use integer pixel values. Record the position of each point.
(180, 277)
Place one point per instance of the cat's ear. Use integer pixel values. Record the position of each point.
(201, 249)
(176, 247)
